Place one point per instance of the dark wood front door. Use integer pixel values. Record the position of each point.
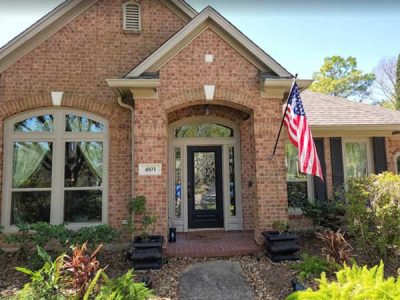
(205, 205)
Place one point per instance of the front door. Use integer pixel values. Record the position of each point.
(204, 186)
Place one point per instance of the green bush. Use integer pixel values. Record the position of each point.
(124, 288)
(373, 214)
(53, 280)
(45, 282)
(354, 283)
(41, 233)
(312, 266)
(324, 213)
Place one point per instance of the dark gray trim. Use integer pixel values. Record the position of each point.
(379, 154)
(337, 163)
(320, 192)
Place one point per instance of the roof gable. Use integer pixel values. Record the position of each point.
(209, 18)
(56, 19)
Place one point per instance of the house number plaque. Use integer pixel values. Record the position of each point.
(149, 169)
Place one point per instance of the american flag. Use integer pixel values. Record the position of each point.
(300, 134)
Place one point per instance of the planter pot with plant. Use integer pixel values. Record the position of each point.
(146, 250)
(280, 244)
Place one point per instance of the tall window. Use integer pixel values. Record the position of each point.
(357, 157)
(55, 168)
(299, 185)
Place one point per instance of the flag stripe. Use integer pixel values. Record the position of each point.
(300, 135)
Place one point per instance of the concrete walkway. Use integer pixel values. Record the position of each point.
(216, 280)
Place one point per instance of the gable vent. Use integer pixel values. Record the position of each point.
(131, 16)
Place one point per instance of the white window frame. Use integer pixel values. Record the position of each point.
(367, 141)
(396, 157)
(124, 6)
(58, 137)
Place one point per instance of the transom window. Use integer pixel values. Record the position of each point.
(55, 168)
(203, 130)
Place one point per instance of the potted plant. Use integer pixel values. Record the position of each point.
(280, 244)
(146, 250)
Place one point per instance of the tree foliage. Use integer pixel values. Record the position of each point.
(387, 84)
(339, 76)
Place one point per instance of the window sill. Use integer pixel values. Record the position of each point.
(135, 32)
(12, 229)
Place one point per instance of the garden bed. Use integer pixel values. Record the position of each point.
(269, 280)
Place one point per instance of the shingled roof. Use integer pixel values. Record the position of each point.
(325, 110)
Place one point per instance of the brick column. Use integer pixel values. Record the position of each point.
(271, 194)
(151, 147)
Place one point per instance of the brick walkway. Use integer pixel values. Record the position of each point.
(212, 244)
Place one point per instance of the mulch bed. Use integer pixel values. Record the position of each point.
(269, 280)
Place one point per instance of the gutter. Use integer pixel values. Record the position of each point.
(122, 104)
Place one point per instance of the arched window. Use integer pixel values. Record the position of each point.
(131, 16)
(203, 130)
(55, 168)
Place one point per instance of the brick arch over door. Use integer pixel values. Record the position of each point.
(244, 121)
(228, 97)
(119, 137)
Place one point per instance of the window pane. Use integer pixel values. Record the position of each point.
(178, 184)
(205, 196)
(356, 159)
(82, 124)
(35, 124)
(82, 206)
(292, 163)
(297, 193)
(232, 194)
(30, 207)
(203, 130)
(32, 165)
(83, 164)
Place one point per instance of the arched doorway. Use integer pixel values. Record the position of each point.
(205, 177)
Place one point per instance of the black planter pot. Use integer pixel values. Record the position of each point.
(146, 255)
(281, 246)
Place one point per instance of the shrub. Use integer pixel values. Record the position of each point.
(324, 213)
(123, 288)
(312, 266)
(46, 282)
(354, 283)
(336, 248)
(41, 233)
(141, 216)
(373, 214)
(80, 269)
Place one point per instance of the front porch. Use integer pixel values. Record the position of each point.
(212, 244)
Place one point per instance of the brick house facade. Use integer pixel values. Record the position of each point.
(186, 65)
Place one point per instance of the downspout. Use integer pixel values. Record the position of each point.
(133, 140)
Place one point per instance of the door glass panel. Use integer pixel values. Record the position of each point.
(204, 181)
(83, 164)
(32, 164)
(232, 193)
(356, 160)
(178, 184)
(30, 207)
(35, 124)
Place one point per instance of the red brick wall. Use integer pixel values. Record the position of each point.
(182, 80)
(77, 60)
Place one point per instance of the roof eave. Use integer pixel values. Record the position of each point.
(41, 31)
(279, 87)
(205, 19)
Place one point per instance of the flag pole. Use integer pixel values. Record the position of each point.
(283, 118)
